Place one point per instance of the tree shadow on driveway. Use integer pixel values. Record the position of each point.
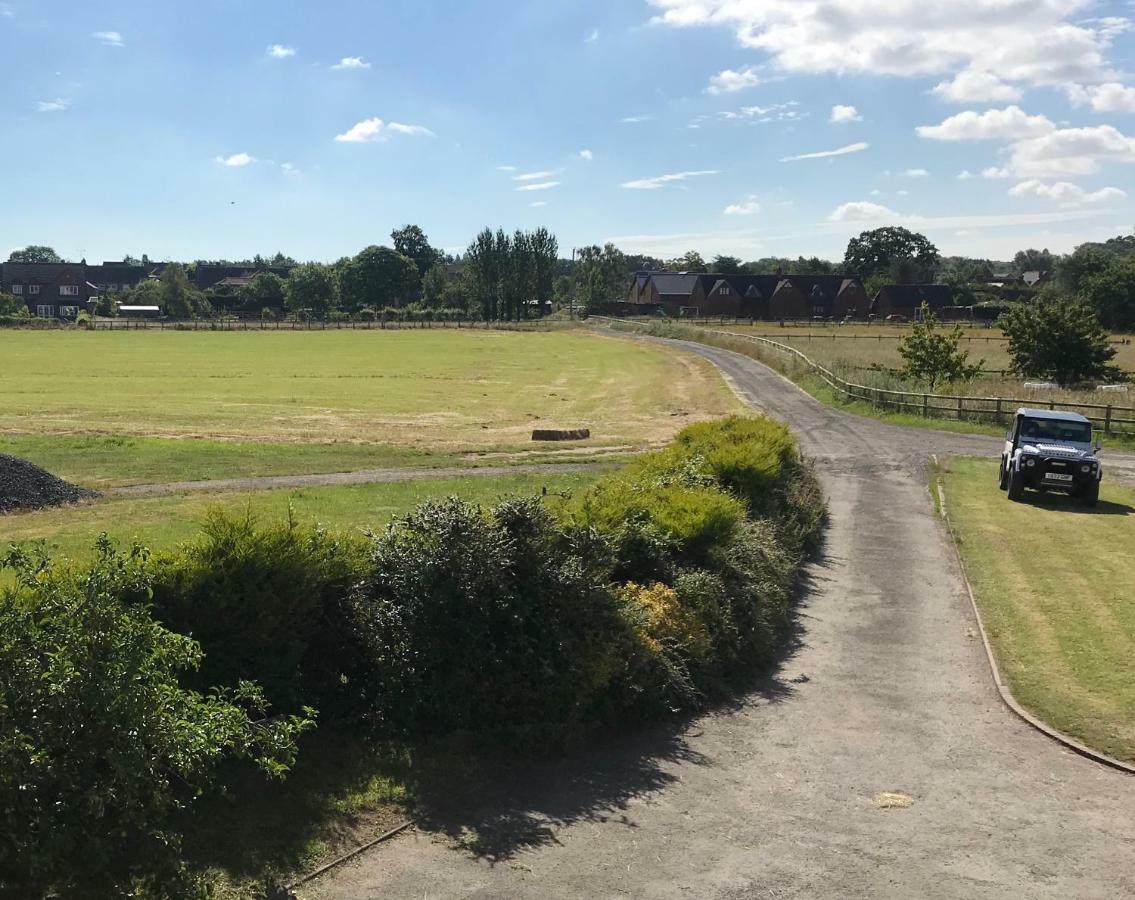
(497, 806)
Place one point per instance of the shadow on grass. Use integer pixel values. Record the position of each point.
(1070, 504)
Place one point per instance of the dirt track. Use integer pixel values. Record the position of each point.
(889, 690)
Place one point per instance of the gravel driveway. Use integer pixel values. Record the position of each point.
(888, 691)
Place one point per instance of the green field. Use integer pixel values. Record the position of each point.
(445, 391)
(162, 522)
(1054, 583)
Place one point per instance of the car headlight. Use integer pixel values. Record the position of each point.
(1085, 469)
(1030, 462)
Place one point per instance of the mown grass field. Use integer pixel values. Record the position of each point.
(438, 390)
(1054, 583)
(162, 522)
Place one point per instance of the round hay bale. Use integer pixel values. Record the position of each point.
(560, 434)
(27, 486)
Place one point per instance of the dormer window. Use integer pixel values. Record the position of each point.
(724, 290)
(33, 289)
(17, 289)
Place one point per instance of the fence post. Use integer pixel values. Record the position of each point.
(998, 409)
(1107, 420)
(926, 406)
(959, 409)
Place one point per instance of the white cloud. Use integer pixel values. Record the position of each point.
(375, 131)
(976, 86)
(862, 211)
(533, 176)
(902, 193)
(651, 184)
(995, 172)
(844, 114)
(1065, 193)
(1111, 97)
(592, 38)
(538, 203)
(1009, 124)
(540, 186)
(1033, 42)
(506, 168)
(587, 155)
(824, 154)
(59, 104)
(729, 81)
(236, 161)
(965, 175)
(749, 208)
(289, 169)
(916, 173)
(778, 112)
(109, 38)
(280, 51)
(1070, 152)
(351, 62)
(634, 120)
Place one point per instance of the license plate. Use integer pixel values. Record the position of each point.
(1055, 476)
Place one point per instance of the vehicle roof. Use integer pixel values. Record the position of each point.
(1057, 414)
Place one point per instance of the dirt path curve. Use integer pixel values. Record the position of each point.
(889, 691)
(364, 476)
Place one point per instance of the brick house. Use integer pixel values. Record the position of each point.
(208, 276)
(752, 296)
(907, 299)
(50, 290)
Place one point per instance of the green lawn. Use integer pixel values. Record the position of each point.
(164, 521)
(1054, 583)
(442, 390)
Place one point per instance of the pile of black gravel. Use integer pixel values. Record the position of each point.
(26, 486)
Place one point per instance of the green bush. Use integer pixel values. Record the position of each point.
(99, 744)
(488, 621)
(267, 604)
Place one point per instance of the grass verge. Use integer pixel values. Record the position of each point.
(162, 522)
(1053, 581)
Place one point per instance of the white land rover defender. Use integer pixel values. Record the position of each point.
(1051, 451)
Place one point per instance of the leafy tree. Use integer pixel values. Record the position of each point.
(100, 745)
(1058, 340)
(933, 356)
(726, 265)
(411, 241)
(265, 289)
(433, 287)
(13, 307)
(487, 259)
(961, 270)
(601, 275)
(312, 287)
(878, 250)
(1110, 291)
(35, 253)
(545, 250)
(105, 305)
(175, 295)
(377, 277)
(690, 261)
(1033, 261)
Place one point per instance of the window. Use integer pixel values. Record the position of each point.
(45, 312)
(724, 290)
(68, 312)
(68, 290)
(17, 288)
(33, 289)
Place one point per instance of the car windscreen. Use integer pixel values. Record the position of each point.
(1056, 430)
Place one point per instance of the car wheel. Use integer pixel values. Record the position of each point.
(1016, 485)
(1091, 494)
(1003, 477)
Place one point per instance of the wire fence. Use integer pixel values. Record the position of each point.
(270, 325)
(1111, 419)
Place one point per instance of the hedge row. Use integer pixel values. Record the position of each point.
(661, 586)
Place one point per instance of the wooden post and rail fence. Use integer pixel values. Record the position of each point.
(1110, 419)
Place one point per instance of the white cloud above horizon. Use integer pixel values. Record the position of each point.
(374, 131)
(586, 155)
(1065, 193)
(59, 104)
(539, 186)
(351, 62)
(825, 154)
(842, 115)
(109, 38)
(750, 207)
(660, 181)
(729, 81)
(280, 51)
(236, 161)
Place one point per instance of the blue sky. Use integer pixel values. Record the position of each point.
(229, 127)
